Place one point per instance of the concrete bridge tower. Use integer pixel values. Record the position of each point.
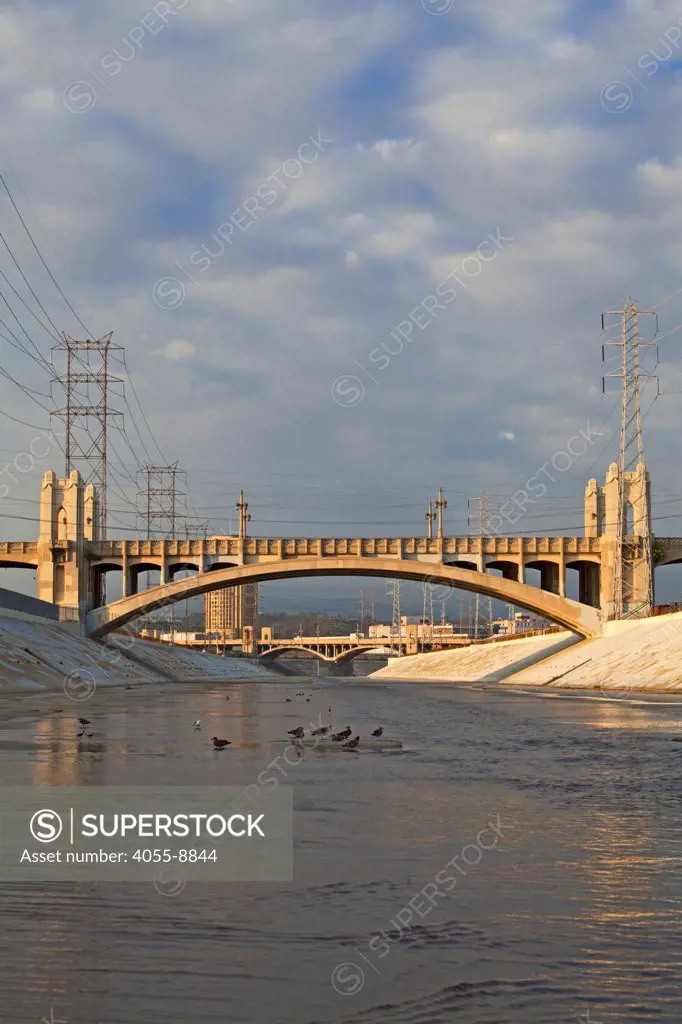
(633, 549)
(69, 519)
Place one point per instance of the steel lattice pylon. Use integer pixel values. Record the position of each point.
(393, 591)
(86, 386)
(160, 500)
(634, 550)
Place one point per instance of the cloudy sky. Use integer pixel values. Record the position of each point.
(354, 249)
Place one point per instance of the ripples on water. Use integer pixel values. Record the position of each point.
(577, 909)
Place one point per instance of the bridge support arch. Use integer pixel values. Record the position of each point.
(577, 617)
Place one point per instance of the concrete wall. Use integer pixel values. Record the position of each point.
(478, 662)
(633, 655)
(28, 605)
(39, 654)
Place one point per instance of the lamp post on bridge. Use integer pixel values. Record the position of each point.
(244, 515)
(429, 516)
(440, 505)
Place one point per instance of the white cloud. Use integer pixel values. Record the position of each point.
(176, 350)
(497, 124)
(398, 150)
(38, 100)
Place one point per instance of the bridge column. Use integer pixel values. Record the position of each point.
(562, 567)
(549, 577)
(125, 576)
(344, 668)
(63, 576)
(164, 565)
(588, 584)
(632, 493)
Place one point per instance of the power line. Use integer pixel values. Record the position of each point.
(40, 255)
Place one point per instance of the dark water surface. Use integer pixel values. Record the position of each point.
(574, 914)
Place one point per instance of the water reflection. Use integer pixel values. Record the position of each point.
(578, 906)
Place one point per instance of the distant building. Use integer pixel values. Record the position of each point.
(423, 630)
(228, 611)
(521, 623)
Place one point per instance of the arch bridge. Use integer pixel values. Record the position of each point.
(72, 562)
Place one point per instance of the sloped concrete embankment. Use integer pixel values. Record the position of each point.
(632, 655)
(37, 654)
(479, 662)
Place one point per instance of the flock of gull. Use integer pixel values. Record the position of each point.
(343, 737)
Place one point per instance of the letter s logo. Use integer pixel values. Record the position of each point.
(46, 826)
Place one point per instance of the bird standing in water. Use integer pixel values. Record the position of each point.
(378, 732)
(298, 733)
(219, 744)
(352, 744)
(343, 735)
(197, 724)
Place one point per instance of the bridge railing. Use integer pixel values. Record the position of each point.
(69, 614)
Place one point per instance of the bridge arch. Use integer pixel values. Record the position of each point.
(355, 652)
(577, 617)
(275, 652)
(10, 563)
(181, 566)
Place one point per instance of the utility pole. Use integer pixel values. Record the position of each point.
(86, 384)
(441, 505)
(429, 516)
(244, 515)
(633, 552)
(423, 629)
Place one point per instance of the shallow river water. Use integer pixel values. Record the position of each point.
(571, 912)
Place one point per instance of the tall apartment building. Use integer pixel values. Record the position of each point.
(228, 611)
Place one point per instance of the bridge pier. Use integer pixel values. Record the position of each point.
(341, 669)
(69, 515)
(630, 496)
(549, 577)
(588, 584)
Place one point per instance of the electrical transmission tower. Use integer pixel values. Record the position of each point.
(633, 559)
(367, 602)
(393, 591)
(86, 385)
(160, 504)
(194, 531)
(482, 518)
(427, 615)
(161, 499)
